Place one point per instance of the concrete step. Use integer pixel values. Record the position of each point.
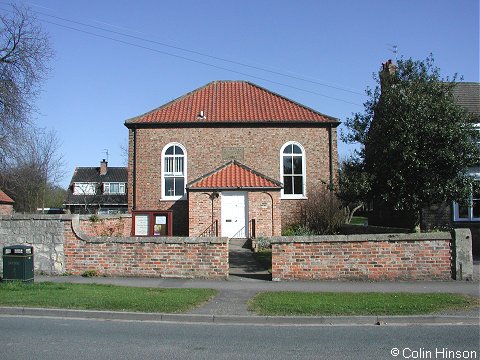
(240, 243)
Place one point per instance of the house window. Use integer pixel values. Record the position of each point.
(84, 188)
(468, 210)
(292, 171)
(113, 188)
(174, 172)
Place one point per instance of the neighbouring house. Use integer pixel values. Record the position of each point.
(98, 190)
(6, 204)
(231, 159)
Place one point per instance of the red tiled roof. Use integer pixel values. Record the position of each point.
(234, 175)
(232, 102)
(4, 198)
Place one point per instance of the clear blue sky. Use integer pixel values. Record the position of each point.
(97, 83)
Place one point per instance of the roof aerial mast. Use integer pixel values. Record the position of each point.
(393, 48)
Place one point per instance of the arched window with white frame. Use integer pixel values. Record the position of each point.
(174, 171)
(293, 170)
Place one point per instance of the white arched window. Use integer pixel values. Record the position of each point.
(292, 170)
(174, 171)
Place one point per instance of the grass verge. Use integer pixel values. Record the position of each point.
(102, 297)
(336, 304)
(358, 220)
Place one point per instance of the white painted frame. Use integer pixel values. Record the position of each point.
(304, 172)
(224, 215)
(162, 171)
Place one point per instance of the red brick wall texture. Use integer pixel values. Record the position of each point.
(6, 209)
(264, 207)
(146, 257)
(204, 154)
(116, 226)
(405, 257)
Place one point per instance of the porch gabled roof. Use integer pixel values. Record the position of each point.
(234, 176)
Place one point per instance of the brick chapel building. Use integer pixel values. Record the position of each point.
(230, 159)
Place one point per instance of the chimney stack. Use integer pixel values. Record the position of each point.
(388, 74)
(103, 167)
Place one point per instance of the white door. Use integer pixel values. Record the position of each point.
(234, 214)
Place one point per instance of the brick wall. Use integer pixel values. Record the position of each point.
(6, 209)
(363, 257)
(143, 256)
(106, 225)
(61, 246)
(262, 206)
(200, 214)
(204, 153)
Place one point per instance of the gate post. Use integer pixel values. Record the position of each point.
(462, 254)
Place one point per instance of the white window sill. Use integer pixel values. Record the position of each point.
(467, 220)
(290, 197)
(174, 198)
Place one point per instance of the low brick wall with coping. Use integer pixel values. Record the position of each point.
(375, 257)
(106, 225)
(180, 257)
(61, 246)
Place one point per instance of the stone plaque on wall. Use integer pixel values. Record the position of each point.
(232, 153)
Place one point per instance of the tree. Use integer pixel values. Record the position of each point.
(353, 186)
(24, 54)
(416, 142)
(31, 176)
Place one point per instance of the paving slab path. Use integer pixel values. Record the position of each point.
(243, 269)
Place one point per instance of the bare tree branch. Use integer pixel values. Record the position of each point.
(24, 55)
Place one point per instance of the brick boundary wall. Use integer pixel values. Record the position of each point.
(389, 257)
(62, 247)
(106, 225)
(180, 257)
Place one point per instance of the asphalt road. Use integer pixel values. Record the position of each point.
(49, 338)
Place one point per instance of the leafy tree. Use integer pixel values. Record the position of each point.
(353, 186)
(417, 143)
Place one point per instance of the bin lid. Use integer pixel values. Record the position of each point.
(16, 250)
(18, 247)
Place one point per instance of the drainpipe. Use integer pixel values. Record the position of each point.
(330, 156)
(273, 222)
(134, 170)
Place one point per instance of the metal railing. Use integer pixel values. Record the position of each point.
(251, 228)
(211, 231)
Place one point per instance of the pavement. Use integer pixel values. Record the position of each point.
(247, 278)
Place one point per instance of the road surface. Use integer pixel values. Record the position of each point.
(54, 338)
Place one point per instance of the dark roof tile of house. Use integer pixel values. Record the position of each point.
(234, 175)
(92, 175)
(467, 94)
(231, 102)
